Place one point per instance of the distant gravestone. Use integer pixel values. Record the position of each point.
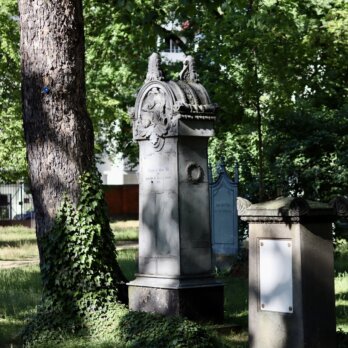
(224, 219)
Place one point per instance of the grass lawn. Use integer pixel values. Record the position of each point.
(125, 230)
(17, 243)
(20, 288)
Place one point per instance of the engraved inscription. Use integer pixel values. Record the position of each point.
(157, 175)
(223, 207)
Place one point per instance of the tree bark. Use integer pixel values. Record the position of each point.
(260, 150)
(58, 131)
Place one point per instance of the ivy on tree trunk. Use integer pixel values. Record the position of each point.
(59, 142)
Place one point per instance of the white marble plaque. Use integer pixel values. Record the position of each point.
(276, 281)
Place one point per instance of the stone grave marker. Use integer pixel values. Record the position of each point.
(172, 122)
(291, 273)
(224, 218)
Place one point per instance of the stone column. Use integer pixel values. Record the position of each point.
(291, 274)
(172, 121)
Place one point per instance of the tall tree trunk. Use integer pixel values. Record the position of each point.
(250, 11)
(259, 129)
(58, 130)
(260, 150)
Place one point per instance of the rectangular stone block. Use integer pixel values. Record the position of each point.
(311, 322)
(199, 303)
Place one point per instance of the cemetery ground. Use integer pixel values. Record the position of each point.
(20, 287)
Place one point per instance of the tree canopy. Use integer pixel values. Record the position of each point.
(12, 149)
(278, 70)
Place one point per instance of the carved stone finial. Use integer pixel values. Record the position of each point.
(242, 205)
(154, 71)
(340, 204)
(299, 205)
(188, 72)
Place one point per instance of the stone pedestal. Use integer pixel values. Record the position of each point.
(291, 274)
(172, 123)
(201, 299)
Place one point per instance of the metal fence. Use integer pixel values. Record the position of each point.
(16, 203)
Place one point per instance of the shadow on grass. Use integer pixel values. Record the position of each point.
(342, 296)
(127, 260)
(9, 334)
(20, 291)
(15, 279)
(141, 329)
(17, 243)
(342, 311)
(236, 301)
(342, 339)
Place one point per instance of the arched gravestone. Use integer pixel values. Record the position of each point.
(224, 217)
(172, 122)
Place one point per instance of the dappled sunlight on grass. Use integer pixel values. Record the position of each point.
(236, 300)
(341, 285)
(235, 330)
(235, 339)
(127, 261)
(20, 291)
(124, 224)
(341, 256)
(126, 235)
(125, 230)
(17, 243)
(15, 233)
(341, 290)
(23, 252)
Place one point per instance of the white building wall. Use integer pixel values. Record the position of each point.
(113, 172)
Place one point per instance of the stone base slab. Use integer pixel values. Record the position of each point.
(199, 302)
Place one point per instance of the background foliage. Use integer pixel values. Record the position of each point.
(12, 150)
(277, 68)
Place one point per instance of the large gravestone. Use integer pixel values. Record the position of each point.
(291, 274)
(224, 218)
(172, 122)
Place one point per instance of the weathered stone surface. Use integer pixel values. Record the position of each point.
(195, 303)
(284, 207)
(172, 121)
(311, 320)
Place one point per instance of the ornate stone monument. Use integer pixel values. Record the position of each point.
(172, 121)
